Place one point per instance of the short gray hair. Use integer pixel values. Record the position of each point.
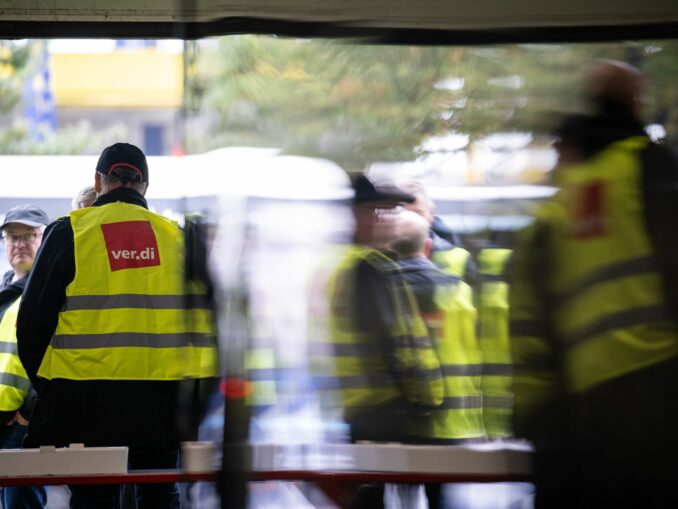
(84, 198)
(411, 232)
(108, 181)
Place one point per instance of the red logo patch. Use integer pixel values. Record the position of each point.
(589, 218)
(131, 245)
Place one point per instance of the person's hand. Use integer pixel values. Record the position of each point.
(17, 418)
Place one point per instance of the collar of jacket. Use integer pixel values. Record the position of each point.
(123, 194)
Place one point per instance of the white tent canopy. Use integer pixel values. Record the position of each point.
(239, 170)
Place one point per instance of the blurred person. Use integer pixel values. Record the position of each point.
(446, 250)
(108, 327)
(443, 302)
(22, 232)
(493, 334)
(571, 136)
(594, 313)
(84, 198)
(387, 371)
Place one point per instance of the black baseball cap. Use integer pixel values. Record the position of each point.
(124, 161)
(30, 215)
(367, 192)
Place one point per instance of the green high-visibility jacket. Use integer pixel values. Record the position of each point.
(14, 383)
(453, 328)
(129, 314)
(609, 304)
(365, 376)
(493, 337)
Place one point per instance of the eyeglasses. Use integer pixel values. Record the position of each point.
(17, 239)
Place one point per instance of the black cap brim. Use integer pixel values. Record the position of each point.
(366, 192)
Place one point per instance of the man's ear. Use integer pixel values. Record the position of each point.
(97, 182)
(145, 189)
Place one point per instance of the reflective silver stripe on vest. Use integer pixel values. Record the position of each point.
(351, 350)
(369, 349)
(353, 382)
(318, 349)
(496, 369)
(8, 347)
(637, 316)
(462, 403)
(136, 301)
(130, 339)
(498, 401)
(491, 278)
(412, 342)
(270, 374)
(262, 375)
(16, 381)
(533, 328)
(620, 270)
(462, 369)
(418, 374)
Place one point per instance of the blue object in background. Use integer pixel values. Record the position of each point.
(38, 99)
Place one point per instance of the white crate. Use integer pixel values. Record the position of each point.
(73, 460)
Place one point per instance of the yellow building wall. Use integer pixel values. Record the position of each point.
(144, 78)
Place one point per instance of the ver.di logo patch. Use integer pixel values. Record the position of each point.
(130, 245)
(589, 211)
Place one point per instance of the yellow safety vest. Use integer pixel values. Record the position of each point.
(537, 377)
(363, 378)
(260, 364)
(460, 416)
(452, 261)
(610, 312)
(14, 383)
(129, 314)
(493, 337)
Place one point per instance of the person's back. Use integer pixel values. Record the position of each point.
(108, 327)
(443, 301)
(611, 279)
(493, 339)
(374, 327)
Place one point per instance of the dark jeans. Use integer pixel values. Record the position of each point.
(22, 497)
(386, 423)
(148, 496)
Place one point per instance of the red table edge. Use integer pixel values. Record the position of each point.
(170, 476)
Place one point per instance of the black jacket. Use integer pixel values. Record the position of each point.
(9, 293)
(96, 412)
(423, 277)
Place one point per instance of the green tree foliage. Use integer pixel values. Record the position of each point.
(359, 103)
(19, 60)
(13, 59)
(659, 60)
(350, 103)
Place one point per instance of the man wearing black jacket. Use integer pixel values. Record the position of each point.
(21, 232)
(598, 308)
(106, 330)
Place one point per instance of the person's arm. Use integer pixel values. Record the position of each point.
(471, 273)
(373, 307)
(43, 297)
(537, 379)
(26, 409)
